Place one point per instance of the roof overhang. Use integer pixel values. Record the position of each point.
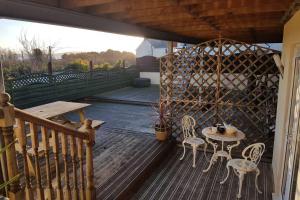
(57, 16)
(188, 21)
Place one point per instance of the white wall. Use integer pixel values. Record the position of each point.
(154, 76)
(159, 52)
(145, 49)
(291, 39)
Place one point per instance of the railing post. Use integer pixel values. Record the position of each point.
(7, 120)
(90, 186)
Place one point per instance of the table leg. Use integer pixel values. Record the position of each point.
(214, 157)
(81, 116)
(222, 150)
(230, 147)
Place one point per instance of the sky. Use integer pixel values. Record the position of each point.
(66, 39)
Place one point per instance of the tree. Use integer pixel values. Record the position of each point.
(36, 51)
(98, 59)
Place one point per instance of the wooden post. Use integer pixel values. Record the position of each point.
(21, 136)
(91, 66)
(2, 87)
(123, 64)
(7, 120)
(45, 142)
(59, 192)
(170, 72)
(3, 157)
(90, 186)
(50, 71)
(218, 86)
(169, 79)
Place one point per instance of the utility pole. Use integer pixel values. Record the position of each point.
(91, 68)
(50, 60)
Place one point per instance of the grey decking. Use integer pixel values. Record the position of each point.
(122, 116)
(178, 180)
(122, 159)
(131, 94)
(116, 148)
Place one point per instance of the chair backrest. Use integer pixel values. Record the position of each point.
(188, 126)
(254, 152)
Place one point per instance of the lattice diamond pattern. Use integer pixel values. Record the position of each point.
(223, 80)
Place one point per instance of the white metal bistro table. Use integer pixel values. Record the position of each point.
(211, 136)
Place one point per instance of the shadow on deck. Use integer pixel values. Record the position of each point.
(176, 179)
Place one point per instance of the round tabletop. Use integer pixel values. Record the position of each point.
(208, 132)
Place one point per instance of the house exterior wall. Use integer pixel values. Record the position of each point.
(291, 41)
(145, 49)
(159, 52)
(154, 77)
(147, 64)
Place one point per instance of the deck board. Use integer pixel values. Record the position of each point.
(115, 148)
(121, 160)
(176, 179)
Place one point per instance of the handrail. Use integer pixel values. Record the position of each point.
(50, 124)
(56, 161)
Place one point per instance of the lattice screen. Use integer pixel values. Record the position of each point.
(223, 81)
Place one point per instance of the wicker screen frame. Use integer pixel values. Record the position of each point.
(223, 80)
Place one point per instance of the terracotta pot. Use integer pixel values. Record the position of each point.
(161, 135)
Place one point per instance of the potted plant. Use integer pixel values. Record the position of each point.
(161, 123)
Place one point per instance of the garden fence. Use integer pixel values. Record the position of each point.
(36, 89)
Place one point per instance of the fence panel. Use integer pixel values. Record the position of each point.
(36, 89)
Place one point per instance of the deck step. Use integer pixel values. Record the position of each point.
(125, 183)
(120, 101)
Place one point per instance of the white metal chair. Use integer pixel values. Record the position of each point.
(252, 155)
(188, 127)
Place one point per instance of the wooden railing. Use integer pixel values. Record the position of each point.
(56, 161)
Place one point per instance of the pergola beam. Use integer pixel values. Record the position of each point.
(276, 7)
(210, 21)
(45, 14)
(126, 6)
(295, 6)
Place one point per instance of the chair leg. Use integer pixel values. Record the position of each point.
(228, 172)
(256, 185)
(205, 148)
(194, 155)
(241, 179)
(183, 144)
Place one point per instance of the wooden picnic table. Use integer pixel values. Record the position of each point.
(60, 108)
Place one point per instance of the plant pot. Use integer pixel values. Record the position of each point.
(161, 135)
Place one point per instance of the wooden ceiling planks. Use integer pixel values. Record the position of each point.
(252, 20)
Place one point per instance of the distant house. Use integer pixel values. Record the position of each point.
(147, 57)
(151, 47)
(155, 48)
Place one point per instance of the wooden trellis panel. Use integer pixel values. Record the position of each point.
(223, 80)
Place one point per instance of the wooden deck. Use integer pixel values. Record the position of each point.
(123, 159)
(133, 165)
(176, 179)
